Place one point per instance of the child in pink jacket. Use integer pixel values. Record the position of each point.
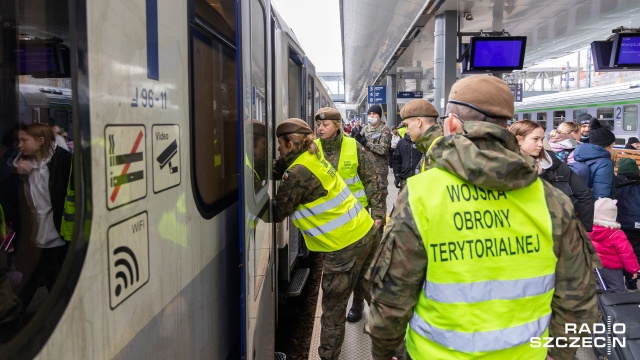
(612, 246)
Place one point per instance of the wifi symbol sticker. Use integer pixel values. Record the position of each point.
(128, 258)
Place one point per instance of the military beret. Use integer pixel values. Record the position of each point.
(328, 113)
(418, 108)
(259, 128)
(293, 125)
(485, 94)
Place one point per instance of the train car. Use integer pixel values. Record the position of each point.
(174, 107)
(615, 106)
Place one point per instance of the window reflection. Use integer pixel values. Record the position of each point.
(36, 222)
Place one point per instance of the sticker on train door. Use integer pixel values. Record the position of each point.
(128, 245)
(165, 142)
(126, 164)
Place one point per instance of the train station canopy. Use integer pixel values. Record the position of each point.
(378, 36)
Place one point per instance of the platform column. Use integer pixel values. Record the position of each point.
(445, 58)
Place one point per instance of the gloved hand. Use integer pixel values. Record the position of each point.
(361, 139)
(397, 183)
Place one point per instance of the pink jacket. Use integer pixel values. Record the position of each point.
(614, 248)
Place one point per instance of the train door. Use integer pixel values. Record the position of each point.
(258, 239)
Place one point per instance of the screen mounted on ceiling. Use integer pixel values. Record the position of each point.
(505, 53)
(626, 51)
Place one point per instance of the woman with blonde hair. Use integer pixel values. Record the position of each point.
(530, 137)
(565, 140)
(331, 220)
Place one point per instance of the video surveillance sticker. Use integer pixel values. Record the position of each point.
(126, 164)
(166, 157)
(128, 244)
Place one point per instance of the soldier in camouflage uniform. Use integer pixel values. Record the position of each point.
(331, 138)
(375, 138)
(479, 150)
(346, 259)
(420, 119)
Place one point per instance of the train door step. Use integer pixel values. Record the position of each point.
(297, 283)
(280, 356)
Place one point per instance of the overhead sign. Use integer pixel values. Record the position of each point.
(410, 72)
(516, 89)
(410, 94)
(166, 156)
(377, 95)
(128, 244)
(126, 164)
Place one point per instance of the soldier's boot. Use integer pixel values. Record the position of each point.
(355, 313)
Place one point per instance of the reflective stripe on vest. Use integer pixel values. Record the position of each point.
(69, 214)
(335, 220)
(426, 155)
(348, 167)
(491, 269)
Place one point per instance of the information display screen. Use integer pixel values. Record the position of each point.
(626, 50)
(43, 59)
(497, 53)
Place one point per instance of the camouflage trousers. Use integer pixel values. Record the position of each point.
(341, 271)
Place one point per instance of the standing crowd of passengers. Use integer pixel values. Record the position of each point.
(446, 280)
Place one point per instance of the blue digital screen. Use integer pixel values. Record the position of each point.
(629, 52)
(39, 58)
(497, 52)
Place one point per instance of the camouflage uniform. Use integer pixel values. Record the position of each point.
(377, 150)
(400, 265)
(341, 269)
(331, 149)
(424, 142)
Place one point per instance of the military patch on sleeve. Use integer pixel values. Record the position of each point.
(285, 176)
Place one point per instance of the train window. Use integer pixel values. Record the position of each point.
(526, 116)
(558, 118)
(259, 103)
(317, 99)
(295, 85)
(541, 118)
(630, 118)
(36, 224)
(578, 112)
(605, 116)
(310, 91)
(214, 122)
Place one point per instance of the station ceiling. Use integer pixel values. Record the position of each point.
(380, 35)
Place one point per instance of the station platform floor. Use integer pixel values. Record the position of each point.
(357, 344)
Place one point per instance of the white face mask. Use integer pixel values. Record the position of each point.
(372, 120)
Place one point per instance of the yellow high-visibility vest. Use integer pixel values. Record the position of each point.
(491, 269)
(348, 167)
(335, 220)
(426, 155)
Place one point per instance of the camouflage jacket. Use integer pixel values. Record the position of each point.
(378, 141)
(489, 156)
(424, 142)
(298, 186)
(331, 149)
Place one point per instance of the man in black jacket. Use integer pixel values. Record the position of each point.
(404, 161)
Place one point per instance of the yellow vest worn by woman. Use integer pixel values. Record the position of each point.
(348, 167)
(335, 220)
(491, 269)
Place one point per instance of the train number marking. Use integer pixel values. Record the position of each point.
(128, 246)
(126, 164)
(148, 99)
(165, 143)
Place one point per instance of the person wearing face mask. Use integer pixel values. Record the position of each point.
(331, 220)
(450, 276)
(420, 120)
(375, 138)
(357, 171)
